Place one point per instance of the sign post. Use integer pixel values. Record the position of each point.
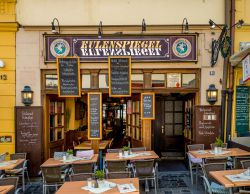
(119, 76)
(68, 71)
(148, 106)
(95, 115)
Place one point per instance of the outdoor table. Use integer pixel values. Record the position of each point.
(54, 162)
(225, 153)
(76, 186)
(139, 155)
(86, 145)
(9, 165)
(6, 188)
(220, 176)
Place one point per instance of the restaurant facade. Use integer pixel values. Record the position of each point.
(164, 62)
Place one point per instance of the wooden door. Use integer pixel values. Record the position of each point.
(168, 125)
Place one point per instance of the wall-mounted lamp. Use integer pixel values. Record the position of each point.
(53, 28)
(143, 26)
(184, 26)
(223, 43)
(2, 63)
(27, 96)
(100, 32)
(212, 94)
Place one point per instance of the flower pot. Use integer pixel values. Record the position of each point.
(101, 183)
(125, 153)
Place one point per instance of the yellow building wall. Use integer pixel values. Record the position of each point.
(8, 28)
(241, 35)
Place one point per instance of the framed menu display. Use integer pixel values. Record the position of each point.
(173, 80)
(147, 106)
(119, 76)
(68, 71)
(95, 115)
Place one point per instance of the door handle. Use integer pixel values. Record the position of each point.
(162, 129)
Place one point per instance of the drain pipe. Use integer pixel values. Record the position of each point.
(224, 78)
(231, 75)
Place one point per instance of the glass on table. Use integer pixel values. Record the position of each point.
(120, 153)
(89, 182)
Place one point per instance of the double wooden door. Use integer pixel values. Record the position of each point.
(169, 124)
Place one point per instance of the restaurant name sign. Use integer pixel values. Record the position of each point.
(140, 48)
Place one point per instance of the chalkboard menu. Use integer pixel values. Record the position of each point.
(68, 70)
(207, 124)
(147, 106)
(242, 110)
(95, 115)
(119, 76)
(29, 130)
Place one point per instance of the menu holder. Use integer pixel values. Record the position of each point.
(148, 106)
(95, 115)
(68, 71)
(119, 76)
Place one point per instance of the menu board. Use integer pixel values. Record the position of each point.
(119, 76)
(68, 71)
(242, 110)
(207, 124)
(147, 106)
(29, 134)
(95, 115)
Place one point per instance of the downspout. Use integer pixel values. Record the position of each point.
(231, 75)
(225, 76)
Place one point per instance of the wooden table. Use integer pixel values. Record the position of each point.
(75, 186)
(10, 164)
(86, 145)
(53, 162)
(6, 188)
(115, 156)
(232, 152)
(222, 179)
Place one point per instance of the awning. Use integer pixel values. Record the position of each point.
(238, 57)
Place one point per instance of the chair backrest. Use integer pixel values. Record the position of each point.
(116, 166)
(59, 155)
(138, 149)
(216, 160)
(51, 174)
(2, 157)
(113, 150)
(194, 147)
(80, 176)
(18, 156)
(144, 168)
(237, 161)
(9, 181)
(82, 168)
(206, 168)
(212, 145)
(85, 153)
(245, 163)
(118, 175)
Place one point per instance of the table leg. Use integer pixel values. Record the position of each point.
(100, 158)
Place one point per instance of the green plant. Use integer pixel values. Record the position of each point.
(70, 152)
(99, 174)
(125, 148)
(218, 142)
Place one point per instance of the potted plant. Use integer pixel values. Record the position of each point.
(99, 175)
(218, 145)
(125, 150)
(70, 153)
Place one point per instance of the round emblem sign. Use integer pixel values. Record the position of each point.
(59, 48)
(181, 47)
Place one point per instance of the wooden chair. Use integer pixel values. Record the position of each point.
(118, 175)
(237, 161)
(193, 162)
(216, 160)
(116, 166)
(82, 168)
(138, 149)
(11, 181)
(52, 177)
(80, 176)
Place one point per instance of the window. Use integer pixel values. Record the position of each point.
(158, 80)
(85, 81)
(188, 80)
(174, 80)
(137, 80)
(51, 81)
(103, 81)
